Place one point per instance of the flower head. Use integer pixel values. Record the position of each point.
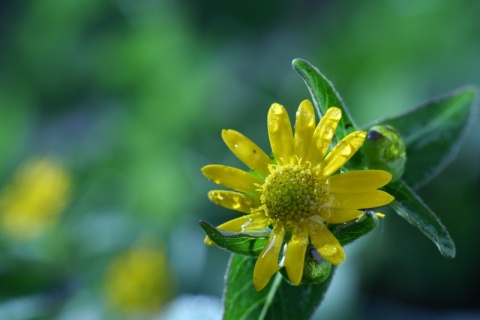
(38, 193)
(139, 281)
(298, 191)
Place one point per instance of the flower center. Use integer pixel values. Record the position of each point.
(291, 193)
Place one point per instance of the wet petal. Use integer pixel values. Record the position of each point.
(247, 151)
(295, 254)
(339, 215)
(323, 135)
(280, 134)
(267, 262)
(233, 178)
(234, 200)
(358, 181)
(342, 152)
(247, 222)
(304, 128)
(326, 243)
(370, 199)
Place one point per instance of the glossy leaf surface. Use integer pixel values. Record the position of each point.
(277, 301)
(433, 132)
(410, 207)
(248, 243)
(324, 95)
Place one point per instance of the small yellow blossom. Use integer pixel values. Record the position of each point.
(32, 202)
(298, 192)
(138, 281)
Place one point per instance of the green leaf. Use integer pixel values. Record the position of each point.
(324, 95)
(432, 133)
(410, 207)
(278, 300)
(351, 231)
(248, 243)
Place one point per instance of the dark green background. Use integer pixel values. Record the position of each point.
(133, 95)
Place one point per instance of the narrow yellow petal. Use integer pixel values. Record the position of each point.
(247, 151)
(267, 262)
(339, 215)
(280, 134)
(233, 178)
(323, 135)
(246, 222)
(304, 128)
(234, 200)
(370, 199)
(358, 181)
(342, 152)
(326, 243)
(295, 254)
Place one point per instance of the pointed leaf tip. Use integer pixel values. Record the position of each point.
(249, 243)
(410, 207)
(324, 95)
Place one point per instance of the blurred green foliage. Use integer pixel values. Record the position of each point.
(132, 96)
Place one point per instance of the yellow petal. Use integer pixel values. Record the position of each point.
(280, 134)
(295, 254)
(326, 243)
(247, 151)
(370, 199)
(358, 181)
(339, 215)
(304, 128)
(233, 178)
(234, 200)
(267, 262)
(342, 152)
(323, 135)
(247, 222)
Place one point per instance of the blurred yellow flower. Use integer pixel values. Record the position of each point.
(32, 202)
(297, 192)
(138, 281)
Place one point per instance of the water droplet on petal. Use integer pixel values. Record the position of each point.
(273, 126)
(328, 133)
(346, 150)
(329, 250)
(277, 109)
(335, 113)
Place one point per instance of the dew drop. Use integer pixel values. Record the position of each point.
(273, 126)
(346, 150)
(236, 204)
(335, 114)
(329, 250)
(277, 109)
(328, 133)
(310, 123)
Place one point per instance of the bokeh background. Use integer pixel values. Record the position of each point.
(108, 110)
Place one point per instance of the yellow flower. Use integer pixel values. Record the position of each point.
(38, 193)
(138, 281)
(297, 193)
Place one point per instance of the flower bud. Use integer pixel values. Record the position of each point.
(384, 149)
